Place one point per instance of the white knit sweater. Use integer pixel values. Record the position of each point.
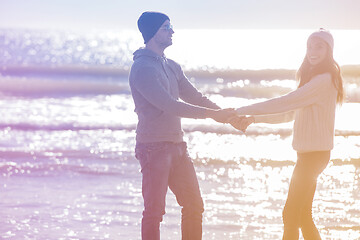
(313, 108)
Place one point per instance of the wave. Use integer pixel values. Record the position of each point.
(65, 70)
(42, 168)
(352, 161)
(63, 127)
(351, 72)
(67, 79)
(187, 128)
(343, 228)
(40, 164)
(35, 85)
(118, 84)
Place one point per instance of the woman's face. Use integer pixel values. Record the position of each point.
(316, 50)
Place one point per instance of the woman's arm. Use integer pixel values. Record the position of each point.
(242, 122)
(275, 118)
(304, 96)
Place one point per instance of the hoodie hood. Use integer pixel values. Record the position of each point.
(143, 52)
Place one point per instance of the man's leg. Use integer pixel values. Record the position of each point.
(155, 161)
(184, 184)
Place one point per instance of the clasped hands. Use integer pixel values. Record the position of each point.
(229, 115)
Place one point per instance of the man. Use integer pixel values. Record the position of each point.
(156, 85)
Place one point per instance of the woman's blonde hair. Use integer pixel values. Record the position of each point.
(307, 71)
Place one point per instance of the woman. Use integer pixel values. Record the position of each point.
(312, 105)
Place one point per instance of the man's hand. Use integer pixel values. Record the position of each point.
(241, 122)
(223, 115)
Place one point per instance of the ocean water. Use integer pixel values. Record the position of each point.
(67, 129)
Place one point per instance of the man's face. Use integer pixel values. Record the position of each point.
(163, 37)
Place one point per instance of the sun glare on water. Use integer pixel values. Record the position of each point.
(254, 48)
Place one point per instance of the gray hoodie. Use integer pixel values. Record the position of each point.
(157, 84)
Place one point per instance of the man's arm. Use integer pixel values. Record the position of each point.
(187, 91)
(146, 83)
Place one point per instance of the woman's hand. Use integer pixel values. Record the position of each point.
(241, 122)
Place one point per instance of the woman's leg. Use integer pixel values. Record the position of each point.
(308, 228)
(294, 200)
(297, 210)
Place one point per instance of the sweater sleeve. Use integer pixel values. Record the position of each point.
(188, 92)
(306, 95)
(275, 118)
(147, 84)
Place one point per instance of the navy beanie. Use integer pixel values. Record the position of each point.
(149, 23)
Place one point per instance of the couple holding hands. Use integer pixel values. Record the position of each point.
(157, 85)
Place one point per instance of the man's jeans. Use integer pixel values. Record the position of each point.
(163, 165)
